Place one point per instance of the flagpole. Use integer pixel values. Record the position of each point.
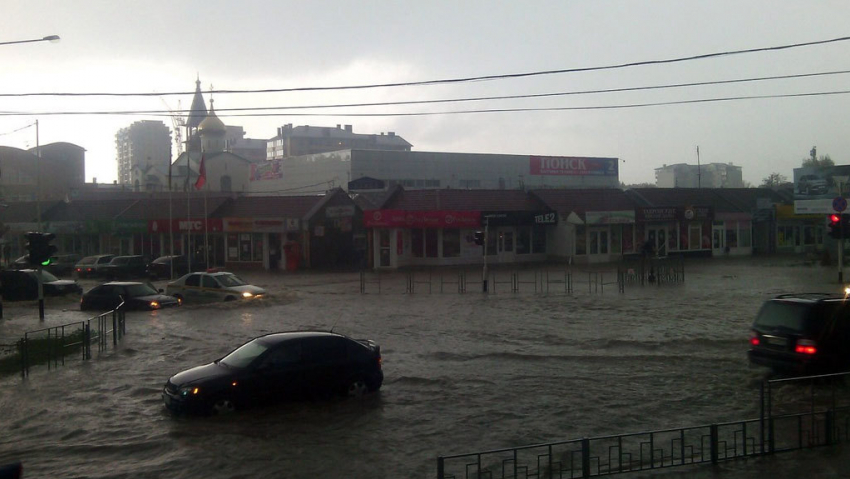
(188, 210)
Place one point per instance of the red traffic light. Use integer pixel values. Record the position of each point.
(834, 219)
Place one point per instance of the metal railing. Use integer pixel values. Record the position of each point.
(821, 418)
(54, 344)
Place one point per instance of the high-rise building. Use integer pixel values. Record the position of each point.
(711, 175)
(144, 144)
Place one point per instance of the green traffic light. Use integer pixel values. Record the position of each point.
(46, 263)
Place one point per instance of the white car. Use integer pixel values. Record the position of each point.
(212, 287)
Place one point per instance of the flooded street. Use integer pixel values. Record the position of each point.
(463, 373)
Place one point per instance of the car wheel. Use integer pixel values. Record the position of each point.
(222, 406)
(357, 388)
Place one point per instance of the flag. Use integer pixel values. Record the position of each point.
(202, 175)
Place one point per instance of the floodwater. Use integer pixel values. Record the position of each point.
(463, 373)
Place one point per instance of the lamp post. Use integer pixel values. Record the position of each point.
(49, 38)
(840, 179)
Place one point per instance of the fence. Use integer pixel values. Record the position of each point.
(56, 343)
(820, 418)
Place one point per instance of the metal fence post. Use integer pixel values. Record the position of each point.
(585, 457)
(714, 444)
(829, 427)
(441, 471)
(87, 340)
(761, 415)
(114, 328)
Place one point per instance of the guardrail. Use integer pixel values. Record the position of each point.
(54, 344)
(821, 419)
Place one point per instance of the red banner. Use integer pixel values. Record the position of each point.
(421, 219)
(194, 225)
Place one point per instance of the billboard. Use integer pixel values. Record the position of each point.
(815, 188)
(572, 166)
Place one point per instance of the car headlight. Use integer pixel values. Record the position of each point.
(247, 294)
(154, 305)
(189, 391)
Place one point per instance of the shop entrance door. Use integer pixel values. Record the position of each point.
(718, 239)
(657, 237)
(597, 242)
(505, 245)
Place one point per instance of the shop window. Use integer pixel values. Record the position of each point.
(538, 239)
(232, 247)
(581, 240)
(744, 234)
(257, 253)
(384, 241)
(616, 239)
(628, 238)
(431, 242)
(672, 239)
(785, 236)
(523, 240)
(731, 234)
(451, 243)
(695, 237)
(808, 236)
(245, 247)
(417, 240)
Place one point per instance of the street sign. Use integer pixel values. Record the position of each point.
(839, 204)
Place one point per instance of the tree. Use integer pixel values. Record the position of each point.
(773, 180)
(814, 162)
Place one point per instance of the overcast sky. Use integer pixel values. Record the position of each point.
(153, 46)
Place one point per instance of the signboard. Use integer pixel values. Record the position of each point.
(610, 217)
(345, 211)
(572, 166)
(260, 225)
(267, 170)
(193, 225)
(421, 219)
(674, 213)
(519, 218)
(822, 206)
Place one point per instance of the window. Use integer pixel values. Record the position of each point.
(538, 239)
(209, 282)
(581, 241)
(616, 236)
(451, 243)
(417, 242)
(732, 234)
(523, 240)
(323, 350)
(431, 242)
(194, 280)
(694, 237)
(744, 234)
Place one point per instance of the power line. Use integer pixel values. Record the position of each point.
(456, 80)
(222, 111)
(492, 110)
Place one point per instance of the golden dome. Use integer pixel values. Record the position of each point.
(211, 123)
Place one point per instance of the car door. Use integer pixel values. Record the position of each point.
(191, 288)
(211, 290)
(278, 374)
(326, 371)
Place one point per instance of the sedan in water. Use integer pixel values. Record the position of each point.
(277, 367)
(212, 287)
(136, 296)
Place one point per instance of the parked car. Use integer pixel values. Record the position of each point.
(277, 367)
(124, 267)
(802, 333)
(212, 287)
(161, 267)
(22, 284)
(92, 266)
(63, 264)
(135, 295)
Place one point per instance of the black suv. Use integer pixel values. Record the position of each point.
(122, 267)
(802, 333)
(277, 367)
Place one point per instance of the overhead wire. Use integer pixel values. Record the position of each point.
(454, 80)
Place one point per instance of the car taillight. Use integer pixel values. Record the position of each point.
(806, 346)
(754, 338)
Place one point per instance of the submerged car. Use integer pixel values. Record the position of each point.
(92, 265)
(22, 284)
(212, 287)
(802, 333)
(278, 367)
(134, 295)
(123, 267)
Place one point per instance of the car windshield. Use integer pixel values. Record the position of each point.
(230, 280)
(136, 290)
(47, 277)
(246, 353)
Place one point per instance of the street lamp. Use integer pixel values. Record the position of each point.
(49, 38)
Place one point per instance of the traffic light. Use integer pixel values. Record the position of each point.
(479, 238)
(837, 225)
(39, 248)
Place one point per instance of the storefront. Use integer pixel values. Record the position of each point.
(676, 229)
(256, 243)
(443, 238)
(604, 236)
(201, 239)
(799, 233)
